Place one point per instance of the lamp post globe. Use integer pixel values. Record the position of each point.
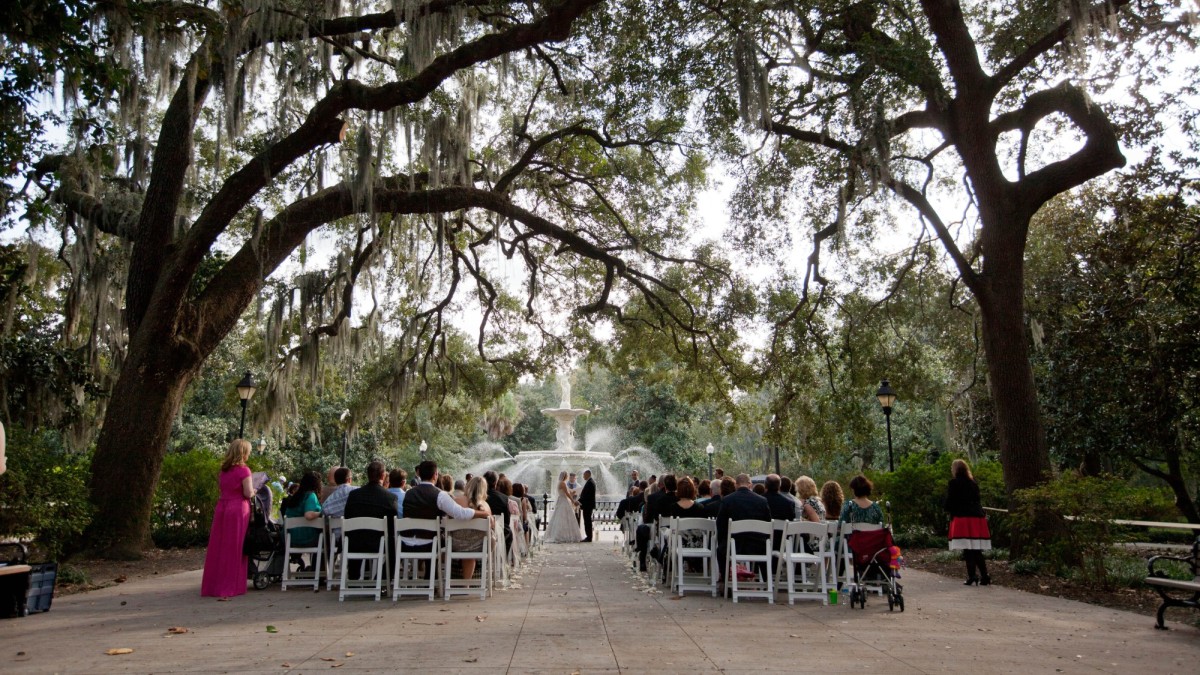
(709, 450)
(887, 398)
(245, 390)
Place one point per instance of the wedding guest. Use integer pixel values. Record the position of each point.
(446, 483)
(687, 505)
(330, 484)
(968, 527)
(518, 493)
(812, 508)
(474, 497)
(398, 485)
(861, 509)
(831, 497)
(782, 506)
(656, 505)
(370, 501)
(334, 505)
(498, 501)
(633, 481)
(303, 503)
(725, 487)
(718, 473)
(424, 500)
(743, 504)
(704, 491)
(760, 489)
(459, 488)
(631, 504)
(224, 563)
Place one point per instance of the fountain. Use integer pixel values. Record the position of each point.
(539, 468)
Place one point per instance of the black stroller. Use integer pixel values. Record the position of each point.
(876, 560)
(263, 545)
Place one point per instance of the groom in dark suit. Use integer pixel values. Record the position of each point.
(587, 503)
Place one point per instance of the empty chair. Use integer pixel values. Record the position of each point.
(480, 554)
(416, 567)
(792, 555)
(694, 539)
(369, 580)
(306, 577)
(763, 586)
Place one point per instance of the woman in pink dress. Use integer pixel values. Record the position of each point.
(224, 564)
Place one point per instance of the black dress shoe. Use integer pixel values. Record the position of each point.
(587, 540)
(985, 580)
(972, 581)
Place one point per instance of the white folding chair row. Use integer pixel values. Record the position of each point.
(792, 554)
(307, 577)
(408, 579)
(692, 539)
(629, 532)
(764, 585)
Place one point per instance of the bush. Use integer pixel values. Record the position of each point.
(44, 493)
(1027, 566)
(1068, 522)
(916, 491)
(919, 536)
(186, 496)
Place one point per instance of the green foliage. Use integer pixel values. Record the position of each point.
(1027, 566)
(917, 490)
(43, 495)
(186, 497)
(1067, 521)
(918, 536)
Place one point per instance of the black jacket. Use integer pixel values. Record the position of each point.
(743, 504)
(369, 501)
(962, 498)
(498, 502)
(658, 504)
(587, 496)
(631, 504)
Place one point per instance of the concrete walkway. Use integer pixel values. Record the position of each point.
(579, 608)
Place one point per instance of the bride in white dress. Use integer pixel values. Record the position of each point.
(563, 527)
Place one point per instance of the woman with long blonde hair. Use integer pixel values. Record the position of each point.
(224, 563)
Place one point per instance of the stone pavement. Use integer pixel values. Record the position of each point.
(579, 609)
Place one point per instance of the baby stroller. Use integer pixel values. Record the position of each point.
(877, 561)
(263, 545)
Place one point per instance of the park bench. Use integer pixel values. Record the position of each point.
(1175, 592)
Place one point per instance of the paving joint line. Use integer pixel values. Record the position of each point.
(525, 617)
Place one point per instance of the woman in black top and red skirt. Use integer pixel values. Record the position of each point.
(968, 528)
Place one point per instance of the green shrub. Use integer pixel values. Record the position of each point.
(916, 491)
(186, 496)
(1068, 522)
(919, 536)
(44, 493)
(1027, 566)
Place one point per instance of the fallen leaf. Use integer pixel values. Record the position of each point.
(123, 603)
(473, 660)
(793, 635)
(178, 630)
(118, 651)
(349, 654)
(272, 629)
(285, 665)
(337, 665)
(121, 579)
(328, 658)
(481, 618)
(439, 623)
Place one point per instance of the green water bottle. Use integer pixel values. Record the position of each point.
(833, 596)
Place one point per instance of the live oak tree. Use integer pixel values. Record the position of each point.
(246, 136)
(971, 115)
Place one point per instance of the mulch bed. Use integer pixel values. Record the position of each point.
(105, 573)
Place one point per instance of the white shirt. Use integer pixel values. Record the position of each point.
(446, 505)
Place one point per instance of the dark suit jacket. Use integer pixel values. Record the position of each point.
(713, 506)
(782, 508)
(370, 501)
(498, 502)
(743, 504)
(587, 496)
(658, 504)
(632, 504)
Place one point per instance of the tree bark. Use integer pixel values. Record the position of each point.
(137, 424)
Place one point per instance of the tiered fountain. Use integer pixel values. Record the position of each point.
(539, 468)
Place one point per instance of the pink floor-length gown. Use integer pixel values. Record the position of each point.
(224, 564)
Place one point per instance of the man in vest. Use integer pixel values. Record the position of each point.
(425, 500)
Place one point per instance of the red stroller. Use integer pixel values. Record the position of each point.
(877, 563)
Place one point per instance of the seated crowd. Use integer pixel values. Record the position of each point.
(388, 494)
(728, 499)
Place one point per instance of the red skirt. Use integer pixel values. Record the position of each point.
(970, 533)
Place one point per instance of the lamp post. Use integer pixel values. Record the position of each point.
(422, 449)
(344, 419)
(709, 451)
(887, 397)
(775, 447)
(245, 390)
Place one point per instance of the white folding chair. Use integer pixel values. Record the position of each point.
(792, 554)
(407, 579)
(333, 553)
(464, 586)
(629, 530)
(764, 586)
(832, 551)
(702, 533)
(371, 563)
(660, 536)
(308, 577)
(499, 560)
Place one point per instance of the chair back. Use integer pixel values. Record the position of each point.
(425, 528)
(795, 531)
(452, 525)
(764, 527)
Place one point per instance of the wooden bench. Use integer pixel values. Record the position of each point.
(1175, 592)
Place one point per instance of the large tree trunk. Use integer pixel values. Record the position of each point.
(125, 468)
(1022, 438)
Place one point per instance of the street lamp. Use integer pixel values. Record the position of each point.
(344, 419)
(709, 451)
(887, 397)
(245, 390)
(422, 449)
(775, 446)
